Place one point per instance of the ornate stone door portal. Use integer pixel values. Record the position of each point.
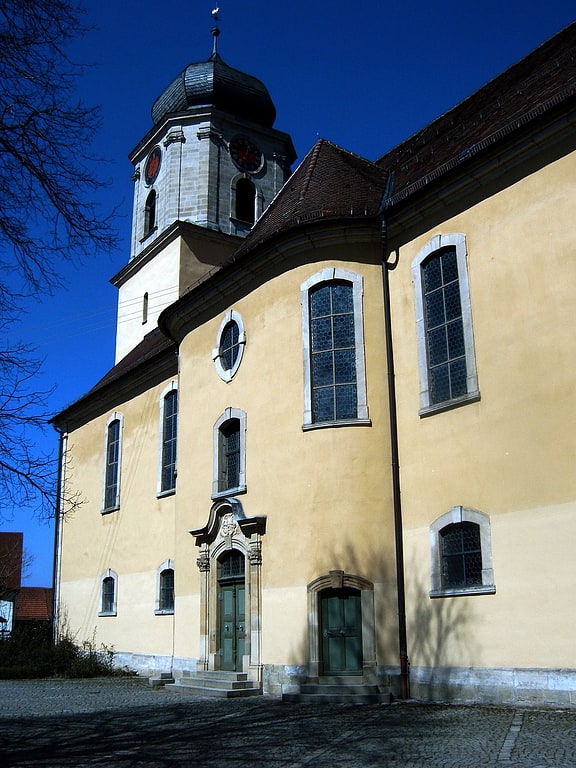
(230, 563)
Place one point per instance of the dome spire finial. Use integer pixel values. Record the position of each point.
(215, 31)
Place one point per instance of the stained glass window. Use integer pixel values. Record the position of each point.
(444, 327)
(333, 352)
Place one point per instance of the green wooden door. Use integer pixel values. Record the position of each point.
(341, 617)
(232, 625)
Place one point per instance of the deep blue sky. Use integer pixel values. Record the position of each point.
(365, 75)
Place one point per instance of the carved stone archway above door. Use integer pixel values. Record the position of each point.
(228, 528)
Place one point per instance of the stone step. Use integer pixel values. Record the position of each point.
(326, 688)
(224, 693)
(338, 680)
(337, 698)
(200, 681)
(339, 689)
(216, 683)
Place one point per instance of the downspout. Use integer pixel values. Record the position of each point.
(58, 519)
(394, 453)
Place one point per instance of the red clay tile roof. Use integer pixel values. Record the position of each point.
(536, 84)
(333, 183)
(154, 350)
(34, 604)
(330, 183)
(153, 344)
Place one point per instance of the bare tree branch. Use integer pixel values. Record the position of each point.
(48, 214)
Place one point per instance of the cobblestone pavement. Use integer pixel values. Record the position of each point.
(123, 723)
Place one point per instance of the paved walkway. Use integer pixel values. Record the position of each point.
(126, 724)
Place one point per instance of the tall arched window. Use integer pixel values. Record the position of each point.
(169, 439)
(230, 453)
(245, 201)
(113, 452)
(108, 594)
(447, 363)
(150, 213)
(333, 341)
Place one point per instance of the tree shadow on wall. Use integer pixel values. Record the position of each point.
(438, 629)
(363, 561)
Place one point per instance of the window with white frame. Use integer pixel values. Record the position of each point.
(165, 588)
(229, 454)
(333, 348)
(230, 343)
(447, 363)
(112, 463)
(108, 592)
(168, 439)
(461, 550)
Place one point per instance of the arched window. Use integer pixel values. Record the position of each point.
(447, 362)
(113, 453)
(108, 594)
(145, 308)
(169, 439)
(245, 200)
(150, 213)
(230, 453)
(461, 555)
(461, 550)
(165, 588)
(333, 342)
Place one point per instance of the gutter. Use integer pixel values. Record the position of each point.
(387, 266)
(58, 520)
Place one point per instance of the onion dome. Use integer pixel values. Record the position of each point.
(213, 83)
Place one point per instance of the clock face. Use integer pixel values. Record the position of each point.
(152, 167)
(246, 154)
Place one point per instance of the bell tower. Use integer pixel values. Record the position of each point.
(203, 174)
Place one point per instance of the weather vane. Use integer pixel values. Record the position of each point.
(215, 30)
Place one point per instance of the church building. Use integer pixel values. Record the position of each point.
(334, 457)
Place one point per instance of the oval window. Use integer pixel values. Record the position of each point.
(230, 342)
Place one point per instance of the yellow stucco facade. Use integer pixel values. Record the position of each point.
(411, 526)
